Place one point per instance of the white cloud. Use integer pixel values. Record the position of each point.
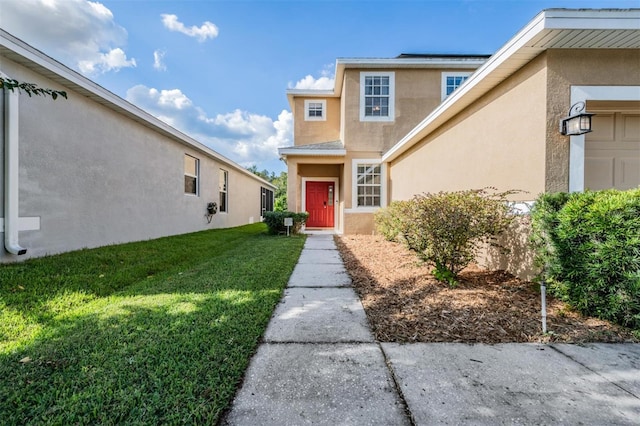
(205, 31)
(113, 60)
(158, 60)
(309, 82)
(249, 139)
(80, 33)
(326, 81)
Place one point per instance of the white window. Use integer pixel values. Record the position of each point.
(377, 90)
(224, 187)
(368, 186)
(451, 81)
(191, 171)
(315, 110)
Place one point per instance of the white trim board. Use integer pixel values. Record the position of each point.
(24, 224)
(576, 144)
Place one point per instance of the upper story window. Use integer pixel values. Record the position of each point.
(315, 110)
(191, 171)
(377, 96)
(224, 187)
(368, 178)
(451, 81)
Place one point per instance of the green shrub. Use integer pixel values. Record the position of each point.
(275, 221)
(589, 246)
(389, 221)
(447, 229)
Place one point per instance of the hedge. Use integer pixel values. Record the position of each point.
(275, 221)
(588, 245)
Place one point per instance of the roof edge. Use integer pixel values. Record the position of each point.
(549, 19)
(80, 83)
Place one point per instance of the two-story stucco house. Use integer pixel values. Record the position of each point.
(393, 128)
(93, 169)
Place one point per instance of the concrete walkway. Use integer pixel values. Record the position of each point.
(320, 364)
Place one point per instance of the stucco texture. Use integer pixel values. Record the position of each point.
(498, 141)
(96, 177)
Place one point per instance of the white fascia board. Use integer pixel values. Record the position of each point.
(381, 63)
(410, 62)
(310, 92)
(592, 19)
(548, 20)
(112, 101)
(313, 152)
(530, 31)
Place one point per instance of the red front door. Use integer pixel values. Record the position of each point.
(319, 204)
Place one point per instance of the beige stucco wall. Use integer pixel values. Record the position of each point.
(499, 141)
(95, 177)
(308, 132)
(574, 67)
(358, 223)
(417, 93)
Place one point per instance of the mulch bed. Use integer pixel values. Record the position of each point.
(405, 303)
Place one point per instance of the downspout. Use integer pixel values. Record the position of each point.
(11, 173)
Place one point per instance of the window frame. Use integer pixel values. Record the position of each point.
(223, 190)
(189, 175)
(307, 109)
(354, 185)
(391, 96)
(266, 200)
(446, 75)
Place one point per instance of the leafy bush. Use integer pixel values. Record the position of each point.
(589, 246)
(389, 221)
(447, 229)
(275, 221)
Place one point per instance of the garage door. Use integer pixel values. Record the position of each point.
(612, 150)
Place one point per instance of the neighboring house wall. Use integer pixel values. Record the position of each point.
(498, 141)
(92, 176)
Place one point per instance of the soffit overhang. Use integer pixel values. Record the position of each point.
(551, 29)
(323, 149)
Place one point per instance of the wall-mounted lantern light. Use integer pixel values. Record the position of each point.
(578, 122)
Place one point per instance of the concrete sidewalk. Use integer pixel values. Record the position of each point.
(320, 364)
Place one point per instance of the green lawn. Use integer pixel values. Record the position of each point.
(155, 332)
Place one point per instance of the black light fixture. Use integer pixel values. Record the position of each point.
(578, 122)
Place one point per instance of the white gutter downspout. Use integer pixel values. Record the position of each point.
(11, 173)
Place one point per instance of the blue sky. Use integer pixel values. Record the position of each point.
(219, 70)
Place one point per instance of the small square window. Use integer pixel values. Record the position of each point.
(451, 81)
(315, 110)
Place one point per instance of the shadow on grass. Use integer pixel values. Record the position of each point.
(166, 349)
(34, 292)
(140, 364)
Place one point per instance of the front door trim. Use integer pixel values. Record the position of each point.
(337, 220)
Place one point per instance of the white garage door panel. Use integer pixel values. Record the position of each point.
(629, 172)
(612, 151)
(631, 127)
(601, 175)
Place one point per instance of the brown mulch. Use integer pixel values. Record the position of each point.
(405, 303)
